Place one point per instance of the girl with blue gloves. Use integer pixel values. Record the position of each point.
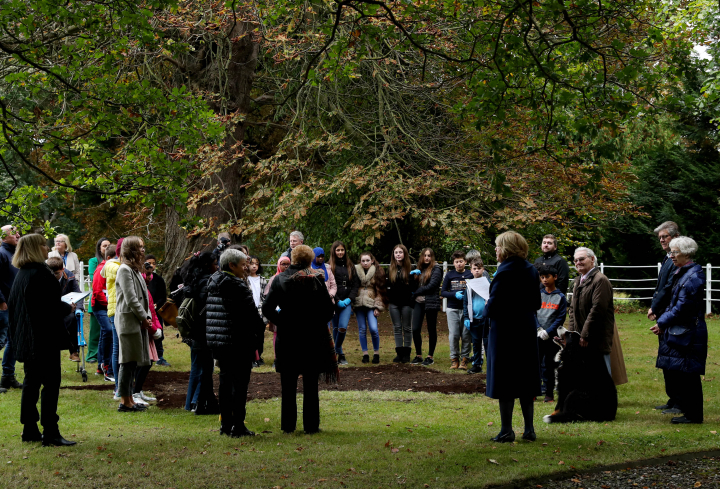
(347, 288)
(427, 304)
(370, 301)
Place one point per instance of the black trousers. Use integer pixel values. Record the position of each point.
(419, 312)
(311, 401)
(547, 350)
(686, 390)
(45, 374)
(670, 402)
(72, 329)
(234, 380)
(141, 374)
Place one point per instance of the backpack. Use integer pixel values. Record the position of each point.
(188, 317)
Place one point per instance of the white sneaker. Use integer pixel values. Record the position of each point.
(138, 400)
(116, 397)
(147, 398)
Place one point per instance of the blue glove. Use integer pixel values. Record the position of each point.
(344, 303)
(467, 324)
(459, 295)
(347, 302)
(415, 272)
(78, 312)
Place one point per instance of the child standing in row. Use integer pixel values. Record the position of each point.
(474, 319)
(551, 316)
(453, 289)
(369, 303)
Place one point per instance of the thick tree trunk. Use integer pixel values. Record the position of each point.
(228, 208)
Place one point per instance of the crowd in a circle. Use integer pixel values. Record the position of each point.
(514, 322)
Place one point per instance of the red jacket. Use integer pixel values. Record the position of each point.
(99, 299)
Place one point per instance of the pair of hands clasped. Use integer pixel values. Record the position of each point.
(344, 303)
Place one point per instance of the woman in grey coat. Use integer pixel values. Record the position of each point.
(132, 320)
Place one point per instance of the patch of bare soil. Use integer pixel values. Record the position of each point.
(170, 387)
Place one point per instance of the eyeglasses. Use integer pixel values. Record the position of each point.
(663, 237)
(675, 253)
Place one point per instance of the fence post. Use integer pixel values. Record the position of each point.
(708, 291)
(602, 268)
(659, 267)
(444, 298)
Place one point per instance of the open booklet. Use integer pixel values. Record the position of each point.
(74, 297)
(481, 286)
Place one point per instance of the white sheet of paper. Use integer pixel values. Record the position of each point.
(74, 297)
(481, 286)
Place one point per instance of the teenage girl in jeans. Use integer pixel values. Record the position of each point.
(370, 301)
(347, 289)
(401, 286)
(427, 304)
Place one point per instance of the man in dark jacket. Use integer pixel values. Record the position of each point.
(592, 313)
(234, 329)
(666, 232)
(68, 284)
(10, 237)
(551, 258)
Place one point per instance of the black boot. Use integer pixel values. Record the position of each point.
(376, 358)
(407, 352)
(31, 433)
(399, 357)
(56, 440)
(10, 382)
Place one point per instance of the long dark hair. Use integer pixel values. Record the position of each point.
(379, 279)
(98, 254)
(405, 264)
(348, 261)
(198, 268)
(427, 268)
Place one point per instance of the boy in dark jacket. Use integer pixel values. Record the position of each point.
(453, 289)
(473, 317)
(551, 316)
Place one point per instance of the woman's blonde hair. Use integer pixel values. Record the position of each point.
(29, 250)
(302, 255)
(65, 238)
(132, 253)
(511, 244)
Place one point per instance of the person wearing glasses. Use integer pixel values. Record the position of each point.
(592, 313)
(666, 232)
(63, 249)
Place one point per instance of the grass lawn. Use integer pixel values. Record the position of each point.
(369, 439)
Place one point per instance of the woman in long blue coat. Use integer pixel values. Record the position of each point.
(683, 333)
(513, 366)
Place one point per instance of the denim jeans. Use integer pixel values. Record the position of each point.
(366, 319)
(8, 361)
(200, 387)
(340, 321)
(458, 333)
(115, 351)
(105, 345)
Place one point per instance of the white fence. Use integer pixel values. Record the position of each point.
(645, 291)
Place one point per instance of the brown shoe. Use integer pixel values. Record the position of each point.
(74, 357)
(454, 363)
(464, 363)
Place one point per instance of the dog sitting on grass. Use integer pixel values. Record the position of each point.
(586, 391)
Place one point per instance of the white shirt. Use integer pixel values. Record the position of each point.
(254, 283)
(582, 279)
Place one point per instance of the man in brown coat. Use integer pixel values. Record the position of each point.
(592, 313)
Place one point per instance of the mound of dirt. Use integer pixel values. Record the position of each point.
(170, 387)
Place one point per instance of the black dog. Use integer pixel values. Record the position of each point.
(586, 391)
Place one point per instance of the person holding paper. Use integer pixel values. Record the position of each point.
(38, 333)
(474, 299)
(513, 367)
(68, 284)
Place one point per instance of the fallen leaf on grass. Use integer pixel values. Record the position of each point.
(492, 461)
(714, 432)
(388, 442)
(515, 460)
(395, 450)
(576, 481)
(561, 462)
(490, 423)
(267, 420)
(698, 484)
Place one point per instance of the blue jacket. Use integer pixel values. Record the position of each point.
(513, 368)
(661, 296)
(7, 271)
(686, 308)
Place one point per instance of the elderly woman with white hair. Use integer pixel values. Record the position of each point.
(234, 330)
(683, 333)
(63, 249)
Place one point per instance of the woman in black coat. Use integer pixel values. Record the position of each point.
(300, 307)
(428, 304)
(233, 329)
(38, 331)
(513, 367)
